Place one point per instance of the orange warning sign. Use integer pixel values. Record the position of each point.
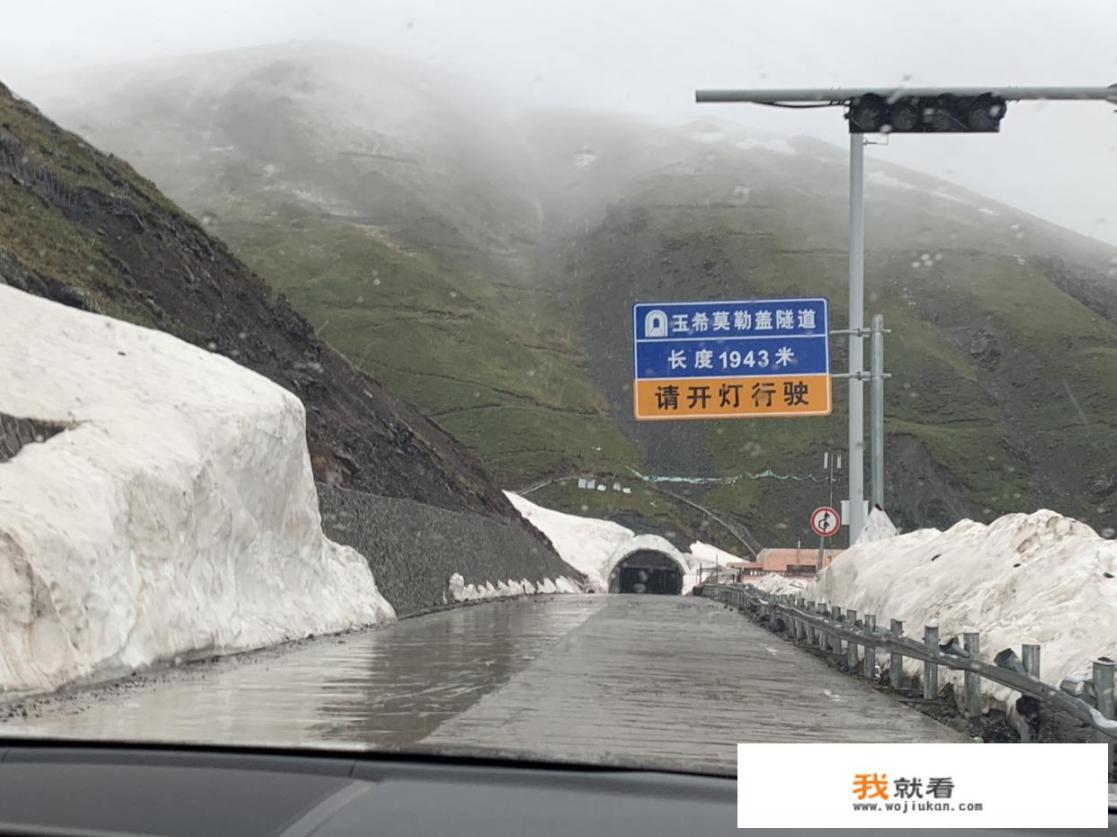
(732, 397)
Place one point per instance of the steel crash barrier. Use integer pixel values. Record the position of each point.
(857, 640)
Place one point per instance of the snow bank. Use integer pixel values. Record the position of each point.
(176, 514)
(878, 527)
(585, 543)
(1038, 578)
(776, 583)
(462, 592)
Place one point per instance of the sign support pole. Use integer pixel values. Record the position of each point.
(856, 325)
(849, 97)
(876, 425)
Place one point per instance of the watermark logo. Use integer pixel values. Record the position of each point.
(907, 793)
(937, 785)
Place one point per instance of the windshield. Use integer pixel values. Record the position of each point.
(593, 382)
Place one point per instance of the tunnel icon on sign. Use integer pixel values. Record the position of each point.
(655, 323)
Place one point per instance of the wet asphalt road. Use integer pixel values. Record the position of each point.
(623, 679)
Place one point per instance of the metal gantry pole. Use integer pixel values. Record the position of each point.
(856, 325)
(847, 96)
(876, 401)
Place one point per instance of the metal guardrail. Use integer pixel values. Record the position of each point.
(827, 626)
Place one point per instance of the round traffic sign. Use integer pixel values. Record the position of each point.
(825, 522)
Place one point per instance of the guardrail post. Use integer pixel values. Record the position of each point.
(851, 657)
(1103, 685)
(1031, 659)
(931, 670)
(870, 649)
(823, 634)
(810, 608)
(1029, 656)
(895, 658)
(972, 643)
(1103, 691)
(835, 639)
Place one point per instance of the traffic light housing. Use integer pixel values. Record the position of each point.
(872, 113)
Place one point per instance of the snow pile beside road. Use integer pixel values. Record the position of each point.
(878, 527)
(1025, 578)
(462, 592)
(776, 583)
(585, 543)
(176, 513)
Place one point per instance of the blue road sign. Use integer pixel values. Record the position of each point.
(734, 358)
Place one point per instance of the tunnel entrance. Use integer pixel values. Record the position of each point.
(647, 571)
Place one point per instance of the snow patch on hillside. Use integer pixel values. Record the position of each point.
(585, 543)
(880, 178)
(1024, 578)
(177, 514)
(707, 555)
(594, 546)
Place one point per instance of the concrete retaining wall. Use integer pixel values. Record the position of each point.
(414, 548)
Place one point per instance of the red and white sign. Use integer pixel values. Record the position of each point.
(825, 522)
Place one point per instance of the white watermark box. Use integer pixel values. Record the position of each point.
(922, 786)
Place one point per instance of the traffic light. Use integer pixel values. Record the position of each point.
(872, 113)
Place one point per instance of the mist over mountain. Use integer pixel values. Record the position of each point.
(481, 257)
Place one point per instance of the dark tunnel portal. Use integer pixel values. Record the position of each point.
(647, 571)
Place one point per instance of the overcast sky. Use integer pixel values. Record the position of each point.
(1058, 161)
